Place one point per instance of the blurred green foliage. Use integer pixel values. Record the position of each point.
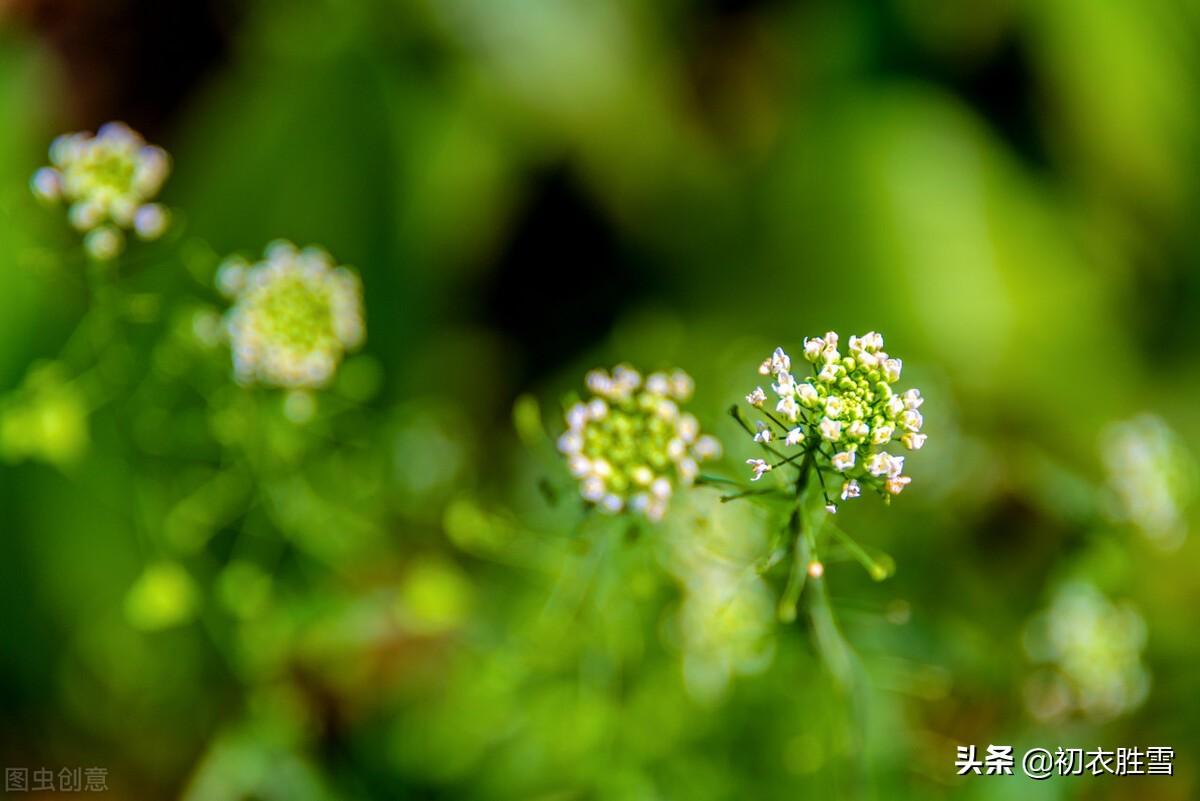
(402, 598)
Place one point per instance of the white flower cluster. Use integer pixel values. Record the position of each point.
(108, 180)
(1152, 478)
(1093, 649)
(845, 414)
(629, 444)
(294, 316)
(726, 612)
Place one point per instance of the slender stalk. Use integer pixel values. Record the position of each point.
(805, 523)
(749, 493)
(801, 547)
(796, 578)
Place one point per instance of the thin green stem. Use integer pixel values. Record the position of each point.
(878, 569)
(834, 651)
(749, 493)
(799, 573)
(783, 428)
(702, 481)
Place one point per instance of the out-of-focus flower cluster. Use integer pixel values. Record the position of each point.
(726, 615)
(630, 445)
(845, 414)
(46, 418)
(108, 180)
(294, 316)
(1151, 477)
(1092, 648)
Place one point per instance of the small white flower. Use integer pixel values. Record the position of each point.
(682, 386)
(831, 430)
(831, 508)
(891, 370)
(808, 395)
(47, 184)
(708, 447)
(843, 461)
(780, 361)
(103, 243)
(786, 386)
(913, 441)
(627, 378)
(85, 214)
(851, 489)
(570, 442)
(911, 420)
(642, 475)
(658, 384)
(912, 399)
(150, 221)
(788, 408)
(795, 436)
(661, 489)
(597, 409)
(231, 276)
(759, 467)
(881, 464)
(895, 405)
(828, 373)
(858, 430)
(833, 406)
(688, 427)
(611, 503)
(577, 416)
(598, 382)
(882, 434)
(763, 435)
(676, 449)
(896, 484)
(579, 466)
(765, 367)
(592, 488)
(688, 470)
(813, 347)
(757, 398)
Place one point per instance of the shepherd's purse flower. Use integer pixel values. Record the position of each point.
(843, 416)
(107, 180)
(294, 316)
(629, 444)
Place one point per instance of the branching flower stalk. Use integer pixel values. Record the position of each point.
(832, 429)
(107, 181)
